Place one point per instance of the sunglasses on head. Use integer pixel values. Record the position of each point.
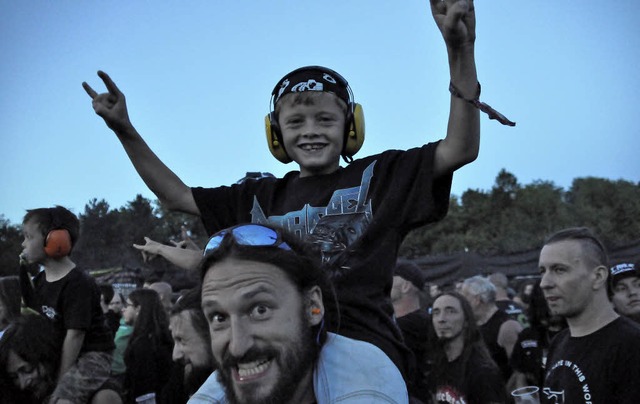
(253, 235)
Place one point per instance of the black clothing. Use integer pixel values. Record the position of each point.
(355, 218)
(602, 367)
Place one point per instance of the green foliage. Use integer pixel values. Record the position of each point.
(509, 218)
(512, 218)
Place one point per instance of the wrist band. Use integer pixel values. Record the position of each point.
(493, 114)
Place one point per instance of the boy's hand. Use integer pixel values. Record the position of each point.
(456, 20)
(111, 106)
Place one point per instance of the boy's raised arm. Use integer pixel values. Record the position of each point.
(163, 182)
(456, 21)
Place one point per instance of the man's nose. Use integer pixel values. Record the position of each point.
(240, 339)
(177, 352)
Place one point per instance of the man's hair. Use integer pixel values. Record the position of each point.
(592, 246)
(482, 288)
(10, 299)
(296, 264)
(58, 217)
(107, 293)
(410, 271)
(473, 342)
(191, 302)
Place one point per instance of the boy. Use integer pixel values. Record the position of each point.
(356, 217)
(71, 300)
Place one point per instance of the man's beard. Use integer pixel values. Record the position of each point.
(294, 363)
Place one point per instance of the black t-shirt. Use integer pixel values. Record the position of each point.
(602, 367)
(490, 331)
(73, 302)
(479, 383)
(514, 310)
(356, 218)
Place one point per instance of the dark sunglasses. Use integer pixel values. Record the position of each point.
(254, 235)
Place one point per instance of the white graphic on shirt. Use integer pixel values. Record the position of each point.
(332, 228)
(50, 312)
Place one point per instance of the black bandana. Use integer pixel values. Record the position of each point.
(312, 78)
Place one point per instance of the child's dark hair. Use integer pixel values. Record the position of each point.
(296, 264)
(58, 217)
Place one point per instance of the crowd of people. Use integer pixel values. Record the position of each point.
(302, 297)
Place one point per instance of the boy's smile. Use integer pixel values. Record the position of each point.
(313, 131)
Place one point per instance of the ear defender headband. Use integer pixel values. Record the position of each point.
(316, 78)
(57, 243)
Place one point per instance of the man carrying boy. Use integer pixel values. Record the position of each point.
(71, 300)
(357, 216)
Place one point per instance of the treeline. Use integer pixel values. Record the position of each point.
(508, 218)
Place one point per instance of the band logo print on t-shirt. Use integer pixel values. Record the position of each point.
(332, 228)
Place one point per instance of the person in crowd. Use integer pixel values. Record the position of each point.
(192, 357)
(29, 361)
(264, 299)
(625, 289)
(504, 302)
(597, 358)
(523, 297)
(148, 354)
(462, 369)
(70, 299)
(165, 291)
(117, 303)
(10, 301)
(529, 356)
(113, 317)
(413, 320)
(355, 216)
(500, 332)
(120, 340)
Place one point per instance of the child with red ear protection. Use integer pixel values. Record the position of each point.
(356, 216)
(70, 299)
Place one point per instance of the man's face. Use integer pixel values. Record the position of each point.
(130, 312)
(33, 244)
(190, 349)
(27, 377)
(567, 278)
(261, 339)
(313, 132)
(448, 318)
(626, 296)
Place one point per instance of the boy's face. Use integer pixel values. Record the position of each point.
(33, 244)
(313, 132)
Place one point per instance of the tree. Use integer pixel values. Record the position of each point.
(10, 247)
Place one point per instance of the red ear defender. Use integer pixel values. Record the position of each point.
(58, 243)
(315, 311)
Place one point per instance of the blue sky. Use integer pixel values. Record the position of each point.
(198, 75)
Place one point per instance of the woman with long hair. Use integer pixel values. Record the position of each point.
(148, 354)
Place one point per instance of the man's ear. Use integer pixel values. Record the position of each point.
(600, 276)
(314, 306)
